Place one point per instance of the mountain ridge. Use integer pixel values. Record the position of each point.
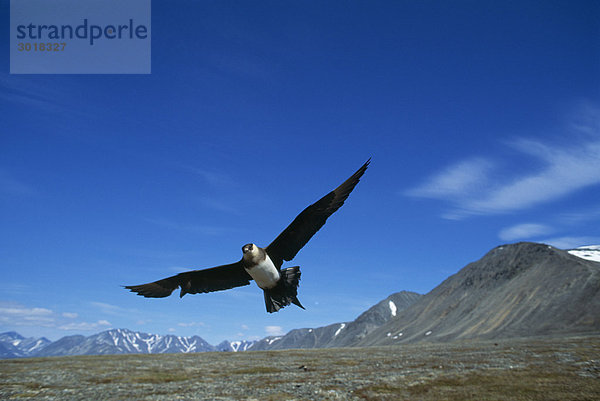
(522, 289)
(344, 333)
(13, 344)
(514, 290)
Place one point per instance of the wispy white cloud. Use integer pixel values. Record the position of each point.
(474, 186)
(110, 309)
(274, 330)
(580, 216)
(524, 231)
(252, 338)
(19, 315)
(86, 326)
(70, 315)
(456, 182)
(15, 315)
(51, 98)
(31, 94)
(191, 324)
(218, 205)
(211, 177)
(566, 171)
(41, 95)
(572, 242)
(14, 288)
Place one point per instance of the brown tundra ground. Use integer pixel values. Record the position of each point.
(522, 369)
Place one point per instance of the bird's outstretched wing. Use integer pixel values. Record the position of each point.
(196, 281)
(297, 234)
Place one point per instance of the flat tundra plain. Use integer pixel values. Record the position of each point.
(517, 369)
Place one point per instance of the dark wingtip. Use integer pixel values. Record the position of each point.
(363, 168)
(355, 178)
(296, 302)
(132, 288)
(150, 290)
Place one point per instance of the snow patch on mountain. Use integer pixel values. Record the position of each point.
(589, 252)
(340, 329)
(393, 308)
(272, 340)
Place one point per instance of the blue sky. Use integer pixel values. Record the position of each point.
(482, 120)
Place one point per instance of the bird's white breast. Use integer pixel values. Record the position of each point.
(265, 273)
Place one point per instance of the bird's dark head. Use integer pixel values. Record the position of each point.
(252, 253)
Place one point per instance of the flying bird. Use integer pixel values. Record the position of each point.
(263, 265)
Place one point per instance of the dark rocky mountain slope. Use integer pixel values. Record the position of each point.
(341, 334)
(517, 290)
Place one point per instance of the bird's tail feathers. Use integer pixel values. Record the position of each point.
(286, 291)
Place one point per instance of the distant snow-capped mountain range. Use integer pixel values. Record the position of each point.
(115, 341)
(486, 299)
(123, 341)
(14, 345)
